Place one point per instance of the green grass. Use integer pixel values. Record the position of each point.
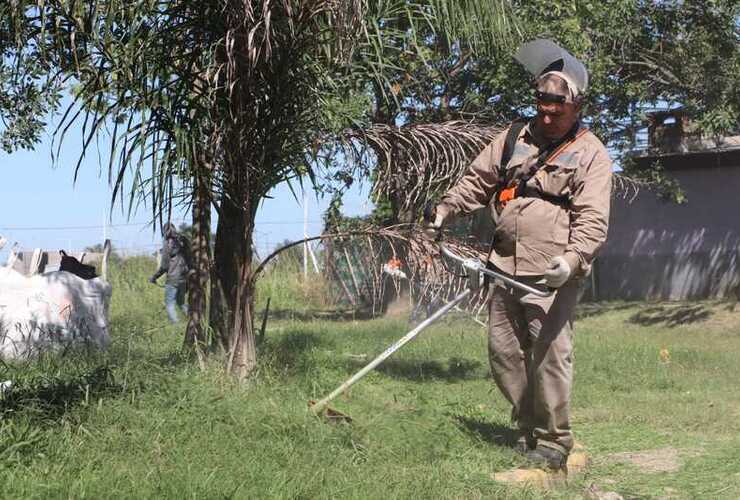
(291, 296)
(140, 422)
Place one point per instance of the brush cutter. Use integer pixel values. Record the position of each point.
(473, 270)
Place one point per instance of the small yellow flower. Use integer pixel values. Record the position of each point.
(665, 356)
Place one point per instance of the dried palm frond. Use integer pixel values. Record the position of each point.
(358, 261)
(422, 160)
(419, 160)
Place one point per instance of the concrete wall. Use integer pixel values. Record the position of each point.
(661, 250)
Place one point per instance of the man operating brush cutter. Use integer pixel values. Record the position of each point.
(549, 182)
(473, 269)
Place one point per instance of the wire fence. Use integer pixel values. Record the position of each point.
(131, 238)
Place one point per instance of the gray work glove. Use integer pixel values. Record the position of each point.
(433, 226)
(152, 279)
(558, 272)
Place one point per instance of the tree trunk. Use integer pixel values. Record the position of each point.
(223, 276)
(243, 354)
(225, 273)
(195, 336)
(232, 291)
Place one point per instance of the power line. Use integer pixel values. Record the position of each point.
(288, 222)
(60, 228)
(133, 224)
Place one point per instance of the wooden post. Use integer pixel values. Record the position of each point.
(104, 260)
(13, 256)
(352, 273)
(261, 337)
(313, 258)
(305, 235)
(33, 266)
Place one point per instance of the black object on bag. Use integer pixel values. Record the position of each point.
(74, 266)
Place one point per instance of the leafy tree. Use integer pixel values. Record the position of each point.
(28, 92)
(212, 103)
(659, 55)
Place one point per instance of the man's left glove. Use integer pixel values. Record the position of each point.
(152, 279)
(557, 273)
(435, 220)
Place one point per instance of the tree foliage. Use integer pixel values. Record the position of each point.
(216, 101)
(29, 87)
(659, 55)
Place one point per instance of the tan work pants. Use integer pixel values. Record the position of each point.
(531, 353)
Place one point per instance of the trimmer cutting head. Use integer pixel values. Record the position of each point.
(329, 414)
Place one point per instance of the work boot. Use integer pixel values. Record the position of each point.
(545, 456)
(525, 444)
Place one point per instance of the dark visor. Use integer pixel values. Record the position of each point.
(548, 97)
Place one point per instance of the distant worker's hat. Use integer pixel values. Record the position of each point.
(542, 57)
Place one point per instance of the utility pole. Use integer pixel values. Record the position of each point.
(305, 234)
(105, 227)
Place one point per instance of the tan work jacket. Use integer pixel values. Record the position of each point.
(530, 231)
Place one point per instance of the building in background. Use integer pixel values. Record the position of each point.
(663, 250)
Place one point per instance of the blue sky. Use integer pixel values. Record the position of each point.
(41, 207)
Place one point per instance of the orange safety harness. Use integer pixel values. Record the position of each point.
(516, 187)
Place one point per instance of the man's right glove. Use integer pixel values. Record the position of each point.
(435, 220)
(557, 272)
(152, 279)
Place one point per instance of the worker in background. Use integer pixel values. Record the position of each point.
(175, 263)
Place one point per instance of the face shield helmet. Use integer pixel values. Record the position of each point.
(543, 57)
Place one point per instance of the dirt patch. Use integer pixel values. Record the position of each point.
(593, 492)
(660, 460)
(578, 460)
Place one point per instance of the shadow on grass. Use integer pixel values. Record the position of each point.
(327, 315)
(144, 346)
(671, 315)
(590, 309)
(455, 369)
(497, 434)
(291, 350)
(49, 398)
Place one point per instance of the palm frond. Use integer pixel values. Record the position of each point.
(364, 261)
(486, 26)
(418, 160)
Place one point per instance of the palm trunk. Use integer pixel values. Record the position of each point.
(243, 356)
(232, 291)
(225, 273)
(223, 277)
(195, 337)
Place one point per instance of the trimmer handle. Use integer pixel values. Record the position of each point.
(475, 265)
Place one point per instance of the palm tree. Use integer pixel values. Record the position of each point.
(214, 102)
